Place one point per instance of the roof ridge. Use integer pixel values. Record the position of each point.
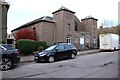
(63, 8)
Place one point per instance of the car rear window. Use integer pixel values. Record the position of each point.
(8, 47)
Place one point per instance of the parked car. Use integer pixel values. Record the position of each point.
(57, 51)
(10, 56)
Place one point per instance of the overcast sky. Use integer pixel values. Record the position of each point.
(23, 11)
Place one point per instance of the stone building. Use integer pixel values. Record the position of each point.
(4, 6)
(64, 26)
(90, 25)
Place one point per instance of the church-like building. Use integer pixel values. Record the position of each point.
(64, 26)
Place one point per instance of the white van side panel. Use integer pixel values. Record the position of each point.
(109, 41)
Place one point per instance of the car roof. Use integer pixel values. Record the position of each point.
(58, 43)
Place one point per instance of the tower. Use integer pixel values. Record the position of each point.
(64, 19)
(4, 6)
(90, 26)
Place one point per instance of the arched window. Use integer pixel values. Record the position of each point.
(69, 26)
(34, 29)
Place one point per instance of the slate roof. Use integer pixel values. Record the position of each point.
(64, 9)
(88, 17)
(42, 19)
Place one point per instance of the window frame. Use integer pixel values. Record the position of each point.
(69, 39)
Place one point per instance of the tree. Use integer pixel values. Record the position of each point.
(118, 29)
(25, 34)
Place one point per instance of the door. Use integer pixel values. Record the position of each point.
(59, 51)
(105, 41)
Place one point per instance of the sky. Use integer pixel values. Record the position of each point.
(23, 11)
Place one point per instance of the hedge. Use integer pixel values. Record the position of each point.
(26, 46)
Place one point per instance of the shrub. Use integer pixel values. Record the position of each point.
(26, 46)
(40, 45)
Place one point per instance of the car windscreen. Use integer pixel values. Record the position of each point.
(50, 48)
(8, 47)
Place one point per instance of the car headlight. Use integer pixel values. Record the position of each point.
(42, 54)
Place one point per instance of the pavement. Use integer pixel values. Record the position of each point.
(30, 58)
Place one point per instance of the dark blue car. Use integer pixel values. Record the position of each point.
(9, 56)
(57, 51)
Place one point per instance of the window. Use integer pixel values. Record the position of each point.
(8, 47)
(60, 48)
(94, 40)
(50, 48)
(72, 46)
(75, 39)
(1, 48)
(67, 16)
(67, 46)
(69, 26)
(76, 25)
(34, 29)
(68, 39)
(94, 30)
(55, 16)
(58, 15)
(70, 16)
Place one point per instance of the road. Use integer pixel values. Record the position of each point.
(98, 65)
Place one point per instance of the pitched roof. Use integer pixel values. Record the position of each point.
(89, 17)
(44, 19)
(63, 8)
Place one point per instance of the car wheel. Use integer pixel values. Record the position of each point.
(73, 56)
(6, 63)
(51, 59)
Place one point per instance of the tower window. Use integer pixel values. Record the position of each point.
(67, 16)
(69, 26)
(58, 15)
(55, 16)
(94, 30)
(76, 25)
(70, 16)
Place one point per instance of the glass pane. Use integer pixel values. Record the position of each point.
(60, 47)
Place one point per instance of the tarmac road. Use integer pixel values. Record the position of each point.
(99, 65)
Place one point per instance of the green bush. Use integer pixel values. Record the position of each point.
(40, 45)
(25, 46)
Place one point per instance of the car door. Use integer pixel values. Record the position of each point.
(59, 52)
(67, 50)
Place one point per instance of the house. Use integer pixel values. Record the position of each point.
(64, 26)
(10, 39)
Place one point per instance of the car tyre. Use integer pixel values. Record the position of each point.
(73, 56)
(51, 59)
(7, 63)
